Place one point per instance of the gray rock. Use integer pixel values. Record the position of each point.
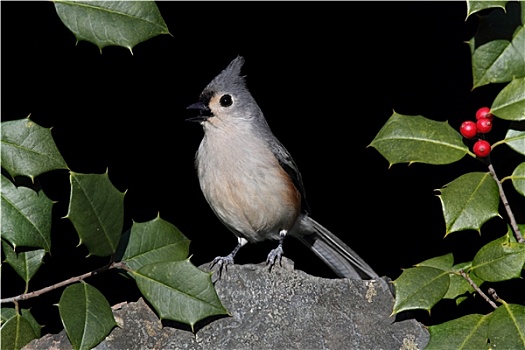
(281, 309)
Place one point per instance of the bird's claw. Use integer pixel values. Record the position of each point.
(221, 262)
(274, 256)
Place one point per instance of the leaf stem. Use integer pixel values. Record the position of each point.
(480, 292)
(25, 296)
(513, 223)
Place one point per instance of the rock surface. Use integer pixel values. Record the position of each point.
(281, 309)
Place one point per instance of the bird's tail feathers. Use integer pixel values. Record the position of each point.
(334, 252)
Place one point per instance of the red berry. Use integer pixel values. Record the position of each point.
(484, 112)
(482, 148)
(484, 125)
(468, 129)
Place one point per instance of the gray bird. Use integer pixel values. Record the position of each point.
(251, 181)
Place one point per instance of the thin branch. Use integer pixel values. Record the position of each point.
(493, 294)
(513, 223)
(71, 280)
(480, 292)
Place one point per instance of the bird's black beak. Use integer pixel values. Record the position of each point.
(204, 112)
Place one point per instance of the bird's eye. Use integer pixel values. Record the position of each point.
(226, 100)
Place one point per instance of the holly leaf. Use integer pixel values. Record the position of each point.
(7, 313)
(499, 61)
(26, 264)
(443, 262)
(510, 102)
(502, 329)
(469, 201)
(476, 6)
(507, 327)
(499, 260)
(28, 149)
(518, 179)
(86, 315)
(154, 241)
(459, 288)
(96, 209)
(26, 216)
(16, 332)
(515, 139)
(420, 288)
(118, 23)
(179, 291)
(467, 332)
(418, 139)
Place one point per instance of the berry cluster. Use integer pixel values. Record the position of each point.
(483, 125)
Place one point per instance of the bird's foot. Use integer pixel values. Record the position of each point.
(275, 256)
(221, 262)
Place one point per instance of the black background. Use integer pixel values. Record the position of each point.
(326, 75)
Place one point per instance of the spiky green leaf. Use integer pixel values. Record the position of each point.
(28, 149)
(179, 291)
(515, 139)
(86, 315)
(418, 139)
(420, 288)
(26, 264)
(105, 23)
(96, 209)
(518, 179)
(476, 6)
(154, 241)
(467, 332)
(7, 313)
(459, 288)
(16, 332)
(26, 216)
(443, 262)
(507, 327)
(499, 61)
(502, 329)
(510, 102)
(469, 201)
(499, 260)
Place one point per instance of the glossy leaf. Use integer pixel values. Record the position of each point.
(16, 332)
(505, 20)
(7, 313)
(26, 216)
(26, 264)
(518, 179)
(443, 262)
(37, 328)
(515, 139)
(179, 291)
(475, 6)
(502, 329)
(469, 201)
(510, 102)
(499, 260)
(499, 61)
(507, 327)
(459, 287)
(155, 241)
(96, 209)
(86, 315)
(420, 288)
(467, 332)
(28, 149)
(105, 23)
(417, 139)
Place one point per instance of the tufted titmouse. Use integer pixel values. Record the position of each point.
(251, 181)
